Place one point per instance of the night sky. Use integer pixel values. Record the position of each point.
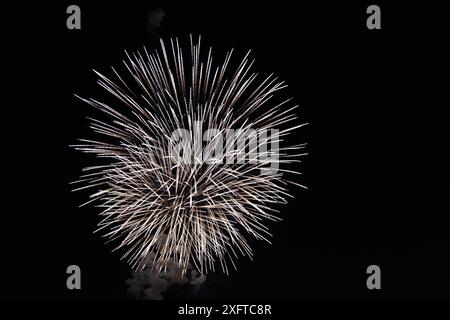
(378, 143)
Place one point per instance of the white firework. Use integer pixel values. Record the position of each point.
(164, 209)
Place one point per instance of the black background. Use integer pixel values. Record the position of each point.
(378, 143)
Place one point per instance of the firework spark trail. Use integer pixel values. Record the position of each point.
(188, 212)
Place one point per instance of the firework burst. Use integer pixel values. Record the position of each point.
(161, 208)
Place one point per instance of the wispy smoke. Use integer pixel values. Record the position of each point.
(149, 284)
(154, 19)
